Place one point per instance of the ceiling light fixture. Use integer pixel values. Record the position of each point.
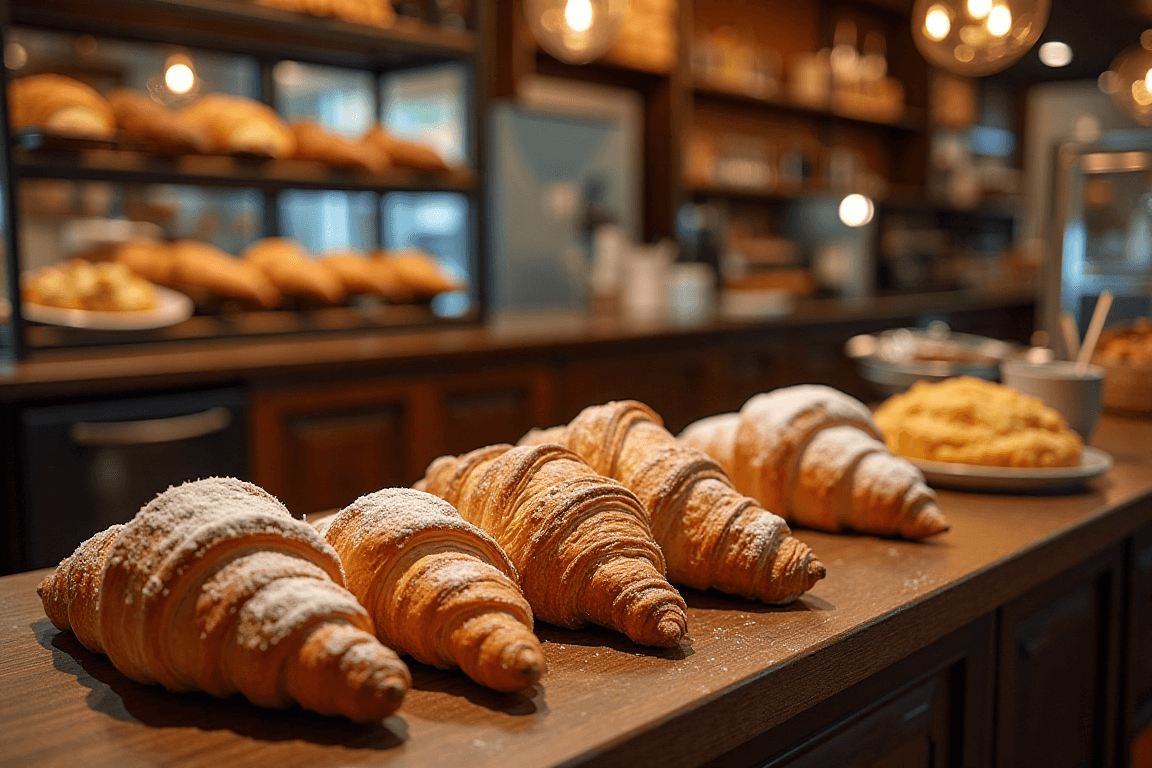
(1055, 54)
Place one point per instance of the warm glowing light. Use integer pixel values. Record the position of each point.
(179, 78)
(999, 20)
(1141, 93)
(856, 210)
(578, 15)
(964, 53)
(937, 23)
(978, 9)
(1148, 79)
(1054, 54)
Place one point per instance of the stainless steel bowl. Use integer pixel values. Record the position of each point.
(892, 360)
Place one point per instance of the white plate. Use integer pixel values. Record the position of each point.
(972, 477)
(171, 307)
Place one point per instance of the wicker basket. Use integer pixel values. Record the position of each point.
(1127, 388)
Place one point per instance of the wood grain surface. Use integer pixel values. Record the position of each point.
(745, 668)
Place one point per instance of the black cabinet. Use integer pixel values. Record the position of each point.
(88, 465)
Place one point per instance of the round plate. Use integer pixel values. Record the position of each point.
(973, 477)
(171, 307)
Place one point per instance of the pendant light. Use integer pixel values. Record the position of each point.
(977, 37)
(576, 31)
(1129, 80)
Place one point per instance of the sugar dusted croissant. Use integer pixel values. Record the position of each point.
(815, 455)
(213, 586)
(437, 587)
(581, 542)
(712, 535)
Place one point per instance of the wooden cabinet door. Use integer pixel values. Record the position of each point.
(321, 447)
(1058, 681)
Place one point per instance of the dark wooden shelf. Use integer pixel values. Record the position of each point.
(242, 27)
(129, 167)
(913, 120)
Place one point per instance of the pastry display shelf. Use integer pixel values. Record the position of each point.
(131, 167)
(244, 27)
(912, 121)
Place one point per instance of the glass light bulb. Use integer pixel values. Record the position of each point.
(977, 37)
(999, 21)
(1130, 82)
(856, 210)
(978, 9)
(576, 31)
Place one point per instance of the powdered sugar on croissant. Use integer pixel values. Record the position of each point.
(815, 455)
(437, 587)
(213, 586)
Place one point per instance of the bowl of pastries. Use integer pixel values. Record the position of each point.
(895, 359)
(1125, 353)
(100, 296)
(972, 433)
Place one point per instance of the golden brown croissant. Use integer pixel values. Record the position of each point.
(315, 143)
(149, 259)
(241, 125)
(139, 116)
(284, 263)
(419, 271)
(712, 535)
(814, 454)
(213, 586)
(201, 265)
(59, 104)
(581, 542)
(361, 274)
(404, 154)
(437, 587)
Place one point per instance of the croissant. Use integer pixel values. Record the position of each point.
(361, 274)
(204, 266)
(315, 143)
(293, 272)
(237, 124)
(437, 587)
(814, 454)
(712, 535)
(60, 104)
(404, 154)
(139, 116)
(581, 542)
(419, 272)
(213, 586)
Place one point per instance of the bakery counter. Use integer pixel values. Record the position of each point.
(1018, 637)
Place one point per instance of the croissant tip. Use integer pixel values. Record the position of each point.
(529, 666)
(816, 570)
(929, 521)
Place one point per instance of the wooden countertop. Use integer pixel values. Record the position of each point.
(67, 372)
(745, 669)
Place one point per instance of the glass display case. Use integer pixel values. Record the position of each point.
(1102, 229)
(415, 81)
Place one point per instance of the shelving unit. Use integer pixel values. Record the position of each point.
(267, 36)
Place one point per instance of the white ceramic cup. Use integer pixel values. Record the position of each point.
(1076, 396)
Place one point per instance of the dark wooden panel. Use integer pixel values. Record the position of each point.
(336, 457)
(1136, 734)
(487, 408)
(1058, 670)
(678, 385)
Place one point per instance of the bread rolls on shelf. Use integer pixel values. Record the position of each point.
(200, 265)
(315, 143)
(60, 105)
(242, 126)
(404, 154)
(138, 116)
(814, 454)
(419, 271)
(362, 274)
(376, 12)
(581, 542)
(213, 586)
(713, 536)
(293, 272)
(151, 260)
(437, 587)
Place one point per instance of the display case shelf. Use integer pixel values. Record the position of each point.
(233, 25)
(129, 167)
(913, 119)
